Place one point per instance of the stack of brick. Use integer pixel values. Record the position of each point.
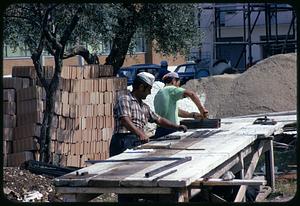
(83, 111)
(11, 86)
(30, 108)
(83, 123)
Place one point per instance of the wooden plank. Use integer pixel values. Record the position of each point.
(114, 177)
(138, 179)
(119, 190)
(93, 171)
(221, 182)
(270, 170)
(284, 113)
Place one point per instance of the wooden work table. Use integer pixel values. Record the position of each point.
(235, 146)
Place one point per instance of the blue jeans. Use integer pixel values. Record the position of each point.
(122, 141)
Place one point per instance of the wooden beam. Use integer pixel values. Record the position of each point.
(242, 171)
(270, 170)
(264, 192)
(119, 190)
(216, 198)
(250, 170)
(221, 182)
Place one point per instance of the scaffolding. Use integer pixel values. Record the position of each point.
(272, 44)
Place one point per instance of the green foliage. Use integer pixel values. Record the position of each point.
(172, 26)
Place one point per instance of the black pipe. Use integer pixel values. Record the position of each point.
(168, 166)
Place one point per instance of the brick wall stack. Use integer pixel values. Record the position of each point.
(84, 114)
(11, 156)
(83, 122)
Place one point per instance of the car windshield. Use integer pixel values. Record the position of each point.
(190, 68)
(185, 68)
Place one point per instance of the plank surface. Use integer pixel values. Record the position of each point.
(209, 148)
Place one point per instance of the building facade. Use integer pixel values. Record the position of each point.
(243, 34)
(143, 54)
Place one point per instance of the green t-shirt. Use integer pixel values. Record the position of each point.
(165, 102)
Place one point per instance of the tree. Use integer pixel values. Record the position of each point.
(52, 27)
(172, 26)
(46, 27)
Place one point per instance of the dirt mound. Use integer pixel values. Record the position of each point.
(22, 185)
(268, 86)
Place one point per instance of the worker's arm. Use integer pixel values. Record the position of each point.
(185, 114)
(163, 122)
(196, 100)
(126, 122)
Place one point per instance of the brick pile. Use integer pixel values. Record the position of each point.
(82, 124)
(11, 155)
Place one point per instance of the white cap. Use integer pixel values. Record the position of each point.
(146, 77)
(171, 74)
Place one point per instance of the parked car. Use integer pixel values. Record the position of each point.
(191, 71)
(131, 71)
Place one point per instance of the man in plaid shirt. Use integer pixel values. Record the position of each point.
(132, 114)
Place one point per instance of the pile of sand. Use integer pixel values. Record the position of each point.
(268, 86)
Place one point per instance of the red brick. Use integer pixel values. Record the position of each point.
(15, 83)
(29, 106)
(24, 71)
(33, 117)
(16, 159)
(9, 121)
(25, 131)
(9, 108)
(8, 134)
(30, 143)
(34, 92)
(9, 95)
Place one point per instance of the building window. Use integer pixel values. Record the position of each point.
(103, 48)
(17, 52)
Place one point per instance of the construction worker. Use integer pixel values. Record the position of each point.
(163, 70)
(165, 103)
(131, 115)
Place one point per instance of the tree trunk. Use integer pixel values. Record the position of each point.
(46, 126)
(84, 52)
(118, 52)
(121, 42)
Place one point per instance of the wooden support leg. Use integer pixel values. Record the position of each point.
(270, 171)
(179, 195)
(250, 170)
(242, 171)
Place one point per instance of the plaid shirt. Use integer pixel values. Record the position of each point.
(140, 114)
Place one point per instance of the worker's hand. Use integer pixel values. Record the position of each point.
(144, 138)
(182, 128)
(197, 115)
(204, 113)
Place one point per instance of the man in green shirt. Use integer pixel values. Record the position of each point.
(166, 105)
